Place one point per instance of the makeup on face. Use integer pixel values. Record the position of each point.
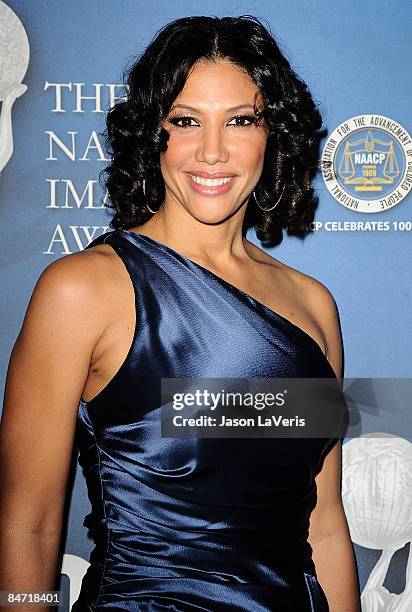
(216, 144)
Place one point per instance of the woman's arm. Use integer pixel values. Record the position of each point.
(47, 371)
(329, 535)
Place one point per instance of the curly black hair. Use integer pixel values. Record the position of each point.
(135, 137)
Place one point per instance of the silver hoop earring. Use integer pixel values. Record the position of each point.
(152, 211)
(272, 207)
(147, 205)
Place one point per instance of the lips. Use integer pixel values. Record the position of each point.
(211, 188)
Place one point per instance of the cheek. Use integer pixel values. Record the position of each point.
(168, 158)
(175, 155)
(253, 155)
(178, 145)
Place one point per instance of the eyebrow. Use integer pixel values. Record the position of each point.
(234, 108)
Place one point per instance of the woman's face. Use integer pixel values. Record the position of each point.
(215, 151)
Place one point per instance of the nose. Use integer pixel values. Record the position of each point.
(212, 146)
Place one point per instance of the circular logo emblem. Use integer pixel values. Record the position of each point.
(367, 163)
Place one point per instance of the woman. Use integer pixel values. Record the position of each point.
(217, 135)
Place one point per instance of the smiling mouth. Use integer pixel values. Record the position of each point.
(215, 182)
(210, 186)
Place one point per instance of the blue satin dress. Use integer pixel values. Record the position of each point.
(196, 523)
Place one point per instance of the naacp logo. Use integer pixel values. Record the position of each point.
(367, 163)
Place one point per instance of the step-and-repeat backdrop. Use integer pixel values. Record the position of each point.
(60, 71)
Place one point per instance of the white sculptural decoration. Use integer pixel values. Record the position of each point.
(377, 496)
(14, 60)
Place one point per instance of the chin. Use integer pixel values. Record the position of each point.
(213, 209)
(209, 214)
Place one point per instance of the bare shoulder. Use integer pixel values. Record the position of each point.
(316, 295)
(76, 292)
(316, 299)
(86, 273)
(312, 290)
(322, 306)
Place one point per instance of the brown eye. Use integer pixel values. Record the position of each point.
(177, 121)
(240, 119)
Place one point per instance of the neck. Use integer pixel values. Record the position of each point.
(215, 244)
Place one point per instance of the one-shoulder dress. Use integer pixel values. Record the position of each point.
(183, 524)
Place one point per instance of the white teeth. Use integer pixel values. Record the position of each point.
(210, 182)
